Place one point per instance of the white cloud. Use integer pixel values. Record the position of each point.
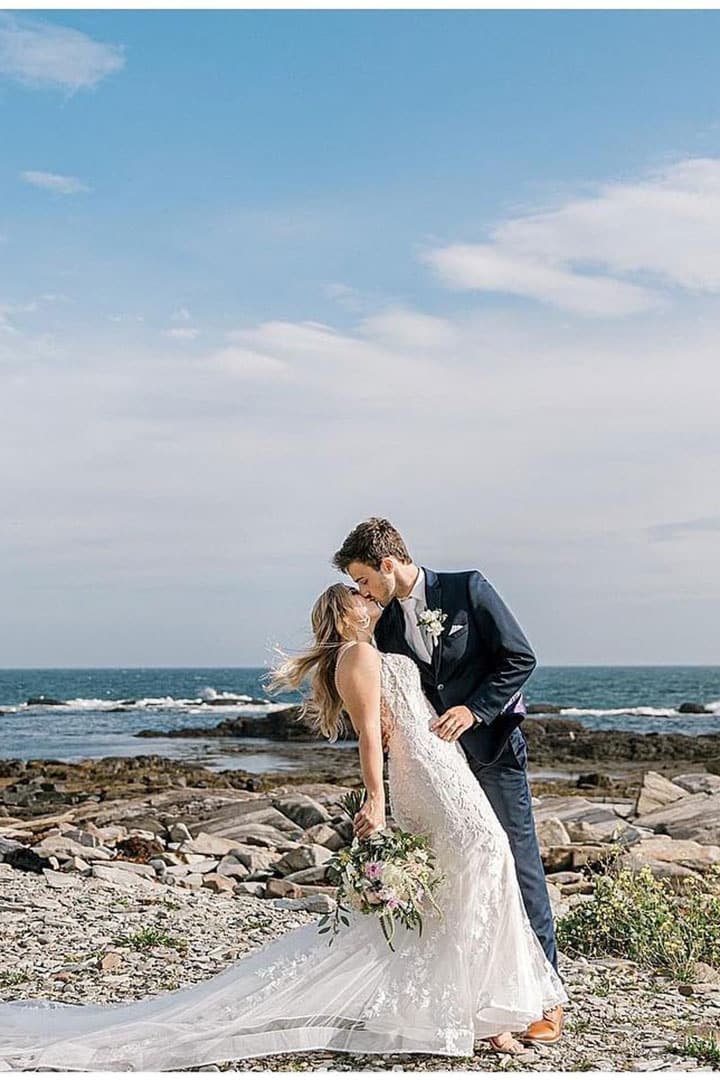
(181, 315)
(409, 329)
(616, 252)
(182, 333)
(42, 54)
(60, 185)
(539, 449)
(246, 364)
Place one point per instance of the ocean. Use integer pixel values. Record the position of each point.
(102, 708)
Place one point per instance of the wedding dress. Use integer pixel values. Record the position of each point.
(475, 972)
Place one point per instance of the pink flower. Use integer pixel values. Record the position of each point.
(373, 871)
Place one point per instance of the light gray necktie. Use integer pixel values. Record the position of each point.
(424, 634)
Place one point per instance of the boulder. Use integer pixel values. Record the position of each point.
(179, 832)
(231, 867)
(63, 847)
(57, 880)
(254, 858)
(7, 845)
(656, 791)
(264, 836)
(694, 817)
(326, 835)
(208, 844)
(141, 869)
(698, 783)
(693, 707)
(238, 816)
(551, 832)
(573, 856)
(565, 877)
(280, 887)
(659, 868)
(116, 875)
(200, 864)
(249, 888)
(302, 810)
(686, 852)
(218, 883)
(303, 858)
(313, 875)
(317, 905)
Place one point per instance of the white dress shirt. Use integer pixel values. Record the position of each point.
(412, 606)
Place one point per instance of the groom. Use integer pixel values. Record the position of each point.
(473, 660)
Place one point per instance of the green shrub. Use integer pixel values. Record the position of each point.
(705, 1049)
(639, 917)
(149, 936)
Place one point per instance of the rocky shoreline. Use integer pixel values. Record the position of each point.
(124, 877)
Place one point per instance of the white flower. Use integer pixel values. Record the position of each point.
(432, 620)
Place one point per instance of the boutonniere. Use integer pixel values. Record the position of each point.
(432, 621)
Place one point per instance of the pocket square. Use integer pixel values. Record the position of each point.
(458, 626)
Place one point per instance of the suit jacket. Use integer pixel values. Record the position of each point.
(481, 659)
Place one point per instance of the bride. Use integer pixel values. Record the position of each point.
(478, 972)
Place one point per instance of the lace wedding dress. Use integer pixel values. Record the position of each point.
(476, 972)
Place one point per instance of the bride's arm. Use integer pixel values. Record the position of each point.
(358, 683)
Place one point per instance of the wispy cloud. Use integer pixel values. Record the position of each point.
(182, 333)
(614, 253)
(41, 54)
(55, 182)
(672, 530)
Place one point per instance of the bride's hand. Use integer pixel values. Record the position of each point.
(369, 818)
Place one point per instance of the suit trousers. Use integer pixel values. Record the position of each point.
(505, 782)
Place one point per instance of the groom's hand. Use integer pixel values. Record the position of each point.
(452, 723)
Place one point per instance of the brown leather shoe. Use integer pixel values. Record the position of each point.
(548, 1030)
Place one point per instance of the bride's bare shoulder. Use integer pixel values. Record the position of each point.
(356, 659)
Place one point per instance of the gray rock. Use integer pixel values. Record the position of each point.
(266, 836)
(254, 858)
(179, 832)
(140, 869)
(302, 809)
(656, 792)
(686, 852)
(551, 832)
(313, 875)
(218, 883)
(207, 844)
(694, 817)
(232, 867)
(303, 858)
(326, 835)
(318, 904)
(64, 846)
(249, 888)
(115, 875)
(58, 880)
(697, 783)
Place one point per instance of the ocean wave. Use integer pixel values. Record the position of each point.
(644, 710)
(218, 704)
(639, 710)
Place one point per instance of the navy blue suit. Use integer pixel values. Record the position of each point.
(482, 659)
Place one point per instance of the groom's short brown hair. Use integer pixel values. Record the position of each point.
(369, 543)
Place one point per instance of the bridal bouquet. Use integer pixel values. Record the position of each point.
(390, 875)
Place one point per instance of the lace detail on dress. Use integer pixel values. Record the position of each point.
(477, 970)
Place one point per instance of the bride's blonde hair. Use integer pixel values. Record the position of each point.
(335, 619)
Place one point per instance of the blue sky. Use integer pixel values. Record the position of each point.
(263, 274)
